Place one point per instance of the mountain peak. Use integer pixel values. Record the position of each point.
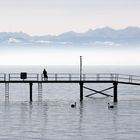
(89, 31)
(129, 35)
(105, 29)
(68, 33)
(132, 28)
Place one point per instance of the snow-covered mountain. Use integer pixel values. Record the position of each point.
(100, 36)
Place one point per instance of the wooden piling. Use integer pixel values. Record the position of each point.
(115, 92)
(31, 90)
(81, 91)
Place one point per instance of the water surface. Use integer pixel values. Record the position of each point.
(51, 117)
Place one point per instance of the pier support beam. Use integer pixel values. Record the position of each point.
(81, 91)
(115, 92)
(31, 90)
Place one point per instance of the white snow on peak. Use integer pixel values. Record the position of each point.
(13, 40)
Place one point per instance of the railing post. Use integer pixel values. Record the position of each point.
(130, 78)
(41, 77)
(98, 77)
(111, 76)
(115, 91)
(4, 77)
(84, 76)
(116, 77)
(37, 77)
(56, 77)
(9, 77)
(69, 77)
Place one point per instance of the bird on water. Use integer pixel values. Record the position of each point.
(73, 105)
(110, 106)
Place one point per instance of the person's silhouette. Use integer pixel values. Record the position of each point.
(45, 74)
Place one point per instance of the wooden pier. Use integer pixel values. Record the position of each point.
(81, 79)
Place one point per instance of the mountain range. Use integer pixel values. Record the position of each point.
(98, 37)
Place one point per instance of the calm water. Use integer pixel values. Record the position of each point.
(51, 117)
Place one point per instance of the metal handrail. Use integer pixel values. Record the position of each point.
(98, 76)
(30, 76)
(72, 76)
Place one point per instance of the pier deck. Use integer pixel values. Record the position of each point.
(32, 78)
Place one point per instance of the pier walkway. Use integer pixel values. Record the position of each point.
(32, 78)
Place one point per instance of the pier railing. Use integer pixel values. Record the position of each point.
(93, 77)
(62, 76)
(17, 77)
(112, 77)
(72, 77)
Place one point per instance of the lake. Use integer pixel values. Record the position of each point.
(51, 117)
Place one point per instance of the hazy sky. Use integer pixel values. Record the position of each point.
(39, 17)
(57, 16)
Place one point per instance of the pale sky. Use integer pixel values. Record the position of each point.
(58, 16)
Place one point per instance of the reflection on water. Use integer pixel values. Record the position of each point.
(91, 119)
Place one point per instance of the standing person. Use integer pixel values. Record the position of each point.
(45, 74)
